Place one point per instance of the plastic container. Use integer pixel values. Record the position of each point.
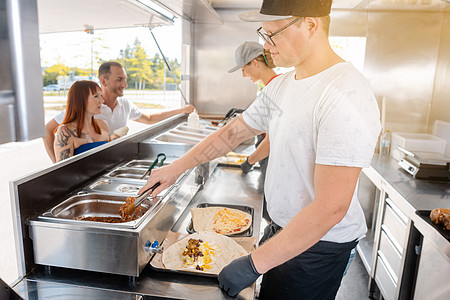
(386, 143)
(193, 120)
(421, 142)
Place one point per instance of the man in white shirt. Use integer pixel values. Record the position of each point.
(116, 111)
(323, 123)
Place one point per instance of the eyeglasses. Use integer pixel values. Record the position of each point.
(268, 37)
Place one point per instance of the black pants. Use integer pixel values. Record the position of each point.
(314, 274)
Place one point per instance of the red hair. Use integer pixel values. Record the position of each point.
(77, 102)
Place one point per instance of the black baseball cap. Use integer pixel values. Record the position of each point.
(272, 10)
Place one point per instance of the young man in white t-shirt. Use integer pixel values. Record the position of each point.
(323, 123)
(116, 111)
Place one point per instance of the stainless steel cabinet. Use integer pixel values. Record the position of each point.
(432, 278)
(391, 249)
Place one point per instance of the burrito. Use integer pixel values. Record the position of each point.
(202, 252)
(222, 220)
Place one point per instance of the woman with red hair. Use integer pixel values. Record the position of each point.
(79, 131)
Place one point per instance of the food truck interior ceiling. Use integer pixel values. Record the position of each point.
(407, 51)
(406, 61)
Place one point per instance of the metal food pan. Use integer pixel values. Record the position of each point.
(244, 208)
(128, 173)
(201, 131)
(174, 138)
(96, 205)
(142, 164)
(119, 187)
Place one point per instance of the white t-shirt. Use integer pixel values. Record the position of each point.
(331, 118)
(117, 118)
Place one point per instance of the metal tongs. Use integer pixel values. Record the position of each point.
(139, 199)
(230, 114)
(161, 162)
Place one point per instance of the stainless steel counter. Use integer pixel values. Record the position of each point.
(226, 185)
(404, 254)
(413, 195)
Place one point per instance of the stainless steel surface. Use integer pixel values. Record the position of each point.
(104, 247)
(141, 198)
(185, 133)
(52, 185)
(398, 45)
(440, 104)
(111, 186)
(196, 11)
(384, 280)
(406, 196)
(394, 227)
(174, 138)
(129, 174)
(213, 57)
(204, 131)
(21, 104)
(95, 205)
(224, 186)
(389, 251)
(432, 277)
(58, 16)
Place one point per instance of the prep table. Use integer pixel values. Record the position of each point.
(405, 256)
(204, 184)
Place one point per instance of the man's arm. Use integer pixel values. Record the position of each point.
(261, 152)
(215, 145)
(334, 187)
(156, 117)
(49, 138)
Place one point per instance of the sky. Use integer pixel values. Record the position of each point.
(74, 48)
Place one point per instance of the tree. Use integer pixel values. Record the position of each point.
(51, 74)
(143, 70)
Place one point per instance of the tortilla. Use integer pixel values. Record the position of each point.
(222, 250)
(221, 220)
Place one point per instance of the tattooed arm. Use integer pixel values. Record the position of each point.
(64, 143)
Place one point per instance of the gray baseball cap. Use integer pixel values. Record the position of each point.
(245, 53)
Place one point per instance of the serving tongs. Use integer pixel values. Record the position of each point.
(161, 162)
(138, 201)
(229, 115)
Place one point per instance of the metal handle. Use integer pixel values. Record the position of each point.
(406, 151)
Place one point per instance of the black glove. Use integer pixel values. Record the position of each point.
(238, 275)
(246, 166)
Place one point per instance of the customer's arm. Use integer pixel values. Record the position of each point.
(49, 138)
(64, 143)
(156, 117)
(213, 146)
(334, 187)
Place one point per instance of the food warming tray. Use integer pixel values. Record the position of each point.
(141, 163)
(95, 205)
(128, 173)
(246, 209)
(248, 243)
(121, 187)
(425, 214)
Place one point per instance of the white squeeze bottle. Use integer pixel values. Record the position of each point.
(193, 119)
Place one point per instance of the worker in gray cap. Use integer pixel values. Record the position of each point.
(256, 64)
(323, 122)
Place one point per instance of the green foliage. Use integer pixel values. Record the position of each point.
(143, 72)
(51, 73)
